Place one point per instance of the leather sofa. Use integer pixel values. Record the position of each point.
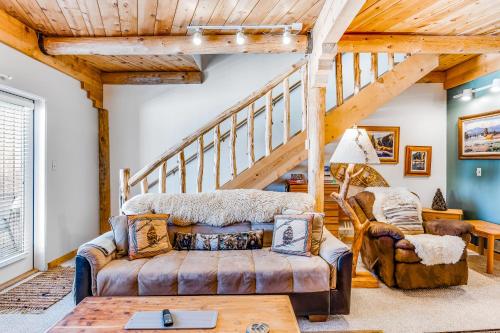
(387, 253)
(318, 285)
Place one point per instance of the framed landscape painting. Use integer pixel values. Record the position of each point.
(479, 136)
(418, 160)
(385, 140)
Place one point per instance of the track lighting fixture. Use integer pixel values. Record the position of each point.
(495, 85)
(468, 93)
(240, 37)
(197, 37)
(287, 36)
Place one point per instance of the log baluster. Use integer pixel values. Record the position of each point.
(144, 185)
(200, 164)
(232, 147)
(250, 130)
(269, 122)
(304, 84)
(390, 61)
(162, 178)
(374, 67)
(124, 188)
(182, 171)
(217, 156)
(357, 73)
(286, 110)
(338, 79)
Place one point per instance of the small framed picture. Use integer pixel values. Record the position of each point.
(385, 140)
(479, 136)
(418, 160)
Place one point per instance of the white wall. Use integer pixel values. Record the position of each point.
(147, 120)
(72, 143)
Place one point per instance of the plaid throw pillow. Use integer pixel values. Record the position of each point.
(292, 234)
(148, 235)
(405, 217)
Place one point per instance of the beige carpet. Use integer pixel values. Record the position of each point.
(472, 307)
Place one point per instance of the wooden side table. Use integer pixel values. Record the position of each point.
(450, 214)
(490, 231)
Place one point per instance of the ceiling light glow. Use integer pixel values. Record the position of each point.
(287, 36)
(495, 85)
(466, 95)
(240, 38)
(197, 37)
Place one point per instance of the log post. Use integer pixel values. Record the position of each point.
(316, 139)
(269, 122)
(232, 147)
(357, 73)
(162, 178)
(374, 67)
(286, 110)
(104, 171)
(144, 185)
(182, 171)
(305, 89)
(124, 188)
(201, 158)
(250, 130)
(338, 79)
(217, 156)
(390, 61)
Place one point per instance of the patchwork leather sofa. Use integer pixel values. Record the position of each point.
(387, 253)
(317, 285)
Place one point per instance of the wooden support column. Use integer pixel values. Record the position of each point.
(316, 140)
(104, 181)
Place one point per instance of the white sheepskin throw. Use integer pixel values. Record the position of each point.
(391, 197)
(219, 208)
(435, 250)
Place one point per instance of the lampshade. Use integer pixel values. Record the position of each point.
(355, 147)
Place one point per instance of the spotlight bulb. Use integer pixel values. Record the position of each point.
(197, 37)
(240, 38)
(287, 36)
(466, 95)
(495, 85)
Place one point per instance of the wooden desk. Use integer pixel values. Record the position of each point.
(429, 214)
(110, 314)
(490, 231)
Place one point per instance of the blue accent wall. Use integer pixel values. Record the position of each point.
(479, 197)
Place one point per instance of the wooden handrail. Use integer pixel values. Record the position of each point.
(145, 171)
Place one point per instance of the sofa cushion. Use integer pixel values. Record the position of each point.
(215, 272)
(119, 225)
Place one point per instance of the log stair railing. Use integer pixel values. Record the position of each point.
(276, 160)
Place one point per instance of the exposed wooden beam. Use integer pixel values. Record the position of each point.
(434, 77)
(332, 22)
(161, 45)
(419, 44)
(104, 171)
(472, 69)
(372, 97)
(151, 78)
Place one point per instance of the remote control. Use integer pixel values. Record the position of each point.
(167, 318)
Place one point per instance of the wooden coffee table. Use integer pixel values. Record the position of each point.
(490, 231)
(110, 314)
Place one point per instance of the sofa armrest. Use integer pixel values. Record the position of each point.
(331, 248)
(97, 253)
(380, 229)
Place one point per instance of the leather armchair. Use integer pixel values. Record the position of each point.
(387, 253)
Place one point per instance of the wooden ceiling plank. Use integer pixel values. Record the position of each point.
(92, 16)
(183, 16)
(295, 13)
(372, 13)
(127, 10)
(165, 16)
(475, 26)
(13, 9)
(472, 69)
(434, 77)
(309, 18)
(74, 17)
(203, 12)
(446, 61)
(145, 78)
(259, 11)
(57, 19)
(151, 45)
(37, 16)
(241, 12)
(110, 17)
(419, 44)
(146, 17)
(222, 11)
(276, 13)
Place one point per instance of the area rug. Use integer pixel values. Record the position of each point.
(38, 293)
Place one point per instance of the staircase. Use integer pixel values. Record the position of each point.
(249, 128)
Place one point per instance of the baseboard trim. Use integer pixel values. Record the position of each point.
(58, 261)
(17, 279)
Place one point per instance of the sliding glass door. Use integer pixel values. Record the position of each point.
(16, 185)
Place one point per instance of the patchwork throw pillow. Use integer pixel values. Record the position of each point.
(292, 234)
(405, 217)
(148, 235)
(119, 225)
(247, 240)
(317, 227)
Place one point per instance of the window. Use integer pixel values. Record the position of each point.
(16, 170)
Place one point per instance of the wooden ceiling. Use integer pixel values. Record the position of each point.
(171, 17)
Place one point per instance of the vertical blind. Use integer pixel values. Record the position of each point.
(16, 127)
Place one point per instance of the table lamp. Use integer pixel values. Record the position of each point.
(354, 148)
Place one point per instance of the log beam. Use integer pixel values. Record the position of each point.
(148, 78)
(162, 45)
(472, 69)
(104, 178)
(419, 44)
(332, 22)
